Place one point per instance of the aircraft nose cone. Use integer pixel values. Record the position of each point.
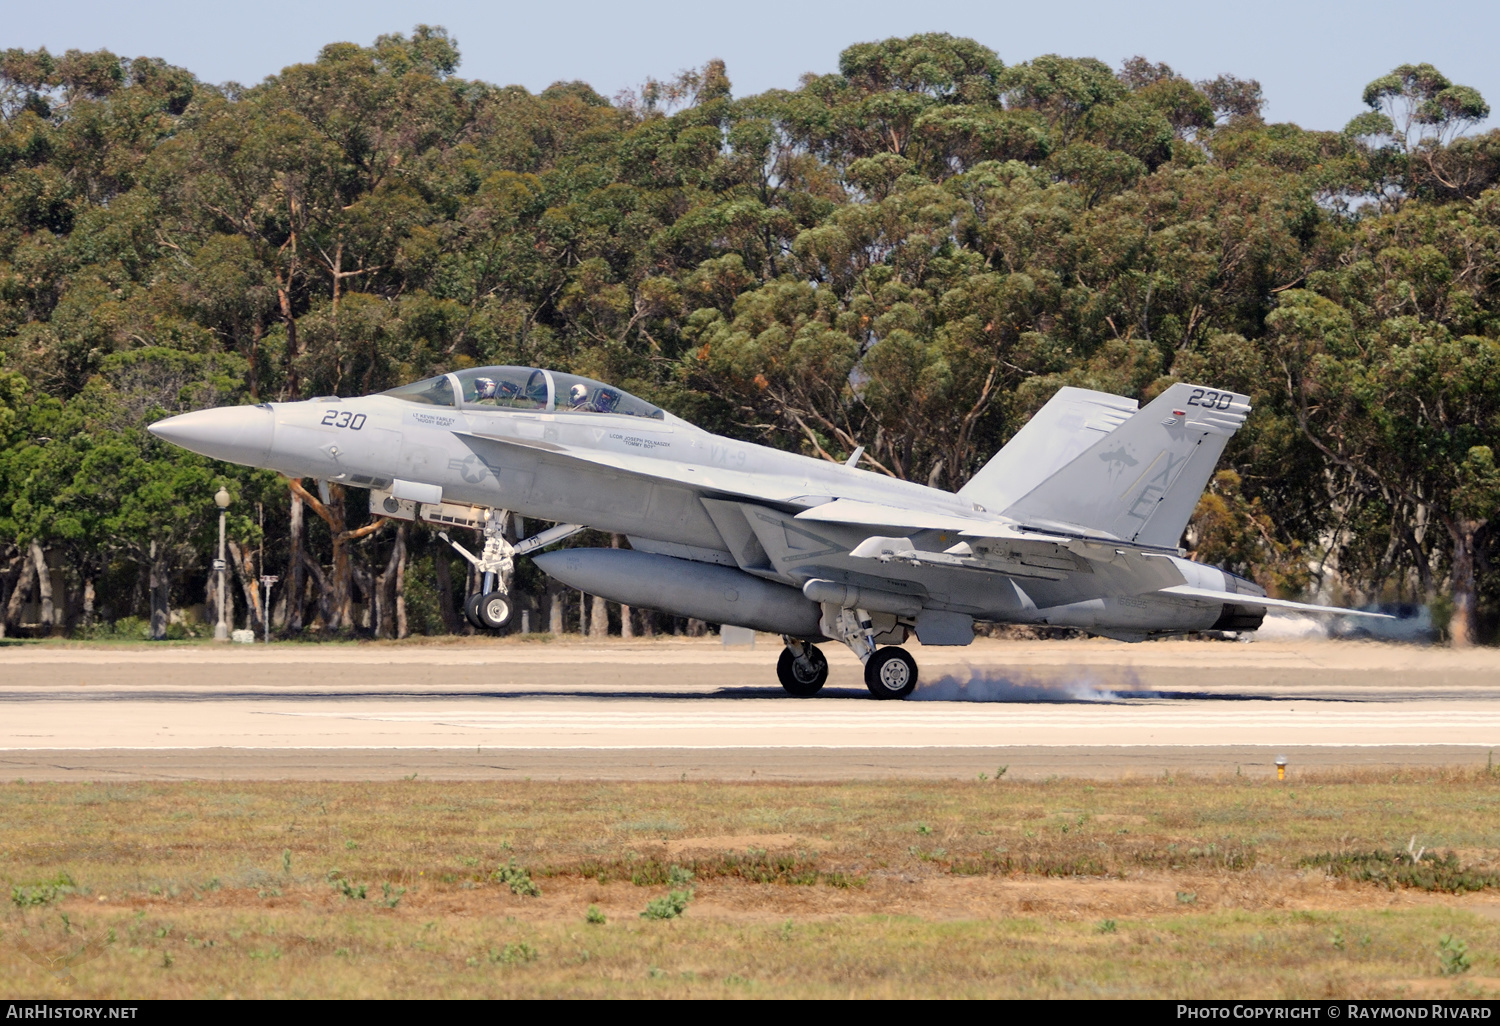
(235, 434)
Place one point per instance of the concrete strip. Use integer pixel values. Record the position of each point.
(830, 764)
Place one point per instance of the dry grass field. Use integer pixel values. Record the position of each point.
(1150, 888)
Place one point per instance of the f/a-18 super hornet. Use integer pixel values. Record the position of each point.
(1074, 523)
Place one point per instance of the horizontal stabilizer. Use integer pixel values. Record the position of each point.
(1235, 598)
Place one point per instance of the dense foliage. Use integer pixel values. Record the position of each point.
(910, 254)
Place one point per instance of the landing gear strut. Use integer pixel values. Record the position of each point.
(890, 672)
(802, 668)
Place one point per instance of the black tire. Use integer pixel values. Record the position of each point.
(792, 677)
(891, 673)
(471, 611)
(495, 610)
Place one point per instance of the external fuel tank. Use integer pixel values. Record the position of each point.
(683, 587)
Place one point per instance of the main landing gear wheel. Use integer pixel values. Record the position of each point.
(797, 678)
(490, 611)
(891, 673)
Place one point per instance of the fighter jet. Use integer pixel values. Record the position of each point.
(1074, 523)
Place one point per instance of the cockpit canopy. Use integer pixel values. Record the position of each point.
(524, 388)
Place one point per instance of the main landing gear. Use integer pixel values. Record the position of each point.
(802, 668)
(890, 672)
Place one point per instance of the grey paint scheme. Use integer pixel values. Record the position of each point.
(1095, 495)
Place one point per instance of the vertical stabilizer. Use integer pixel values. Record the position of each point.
(1141, 482)
(1071, 421)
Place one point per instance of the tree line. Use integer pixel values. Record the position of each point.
(909, 254)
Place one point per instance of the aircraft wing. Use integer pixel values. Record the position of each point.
(1186, 591)
(988, 545)
(766, 487)
(860, 513)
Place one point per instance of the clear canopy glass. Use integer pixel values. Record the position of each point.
(432, 391)
(517, 388)
(582, 395)
(526, 388)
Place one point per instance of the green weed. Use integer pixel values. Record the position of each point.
(1453, 955)
(343, 886)
(513, 954)
(669, 907)
(517, 879)
(44, 892)
(1422, 871)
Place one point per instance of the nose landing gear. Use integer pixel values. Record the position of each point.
(490, 608)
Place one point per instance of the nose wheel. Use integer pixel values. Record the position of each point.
(891, 673)
(490, 611)
(802, 674)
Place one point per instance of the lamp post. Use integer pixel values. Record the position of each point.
(267, 580)
(221, 498)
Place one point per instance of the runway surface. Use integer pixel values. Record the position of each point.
(659, 709)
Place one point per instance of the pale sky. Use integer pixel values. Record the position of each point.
(1312, 57)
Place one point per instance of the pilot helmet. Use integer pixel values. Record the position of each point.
(578, 395)
(484, 388)
(607, 400)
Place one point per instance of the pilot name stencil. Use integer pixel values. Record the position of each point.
(436, 420)
(638, 442)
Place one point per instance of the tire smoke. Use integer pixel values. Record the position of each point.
(988, 685)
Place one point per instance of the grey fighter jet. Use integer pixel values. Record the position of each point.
(1074, 523)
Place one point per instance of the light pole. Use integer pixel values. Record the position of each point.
(221, 498)
(267, 580)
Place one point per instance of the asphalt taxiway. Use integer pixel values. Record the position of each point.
(667, 707)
